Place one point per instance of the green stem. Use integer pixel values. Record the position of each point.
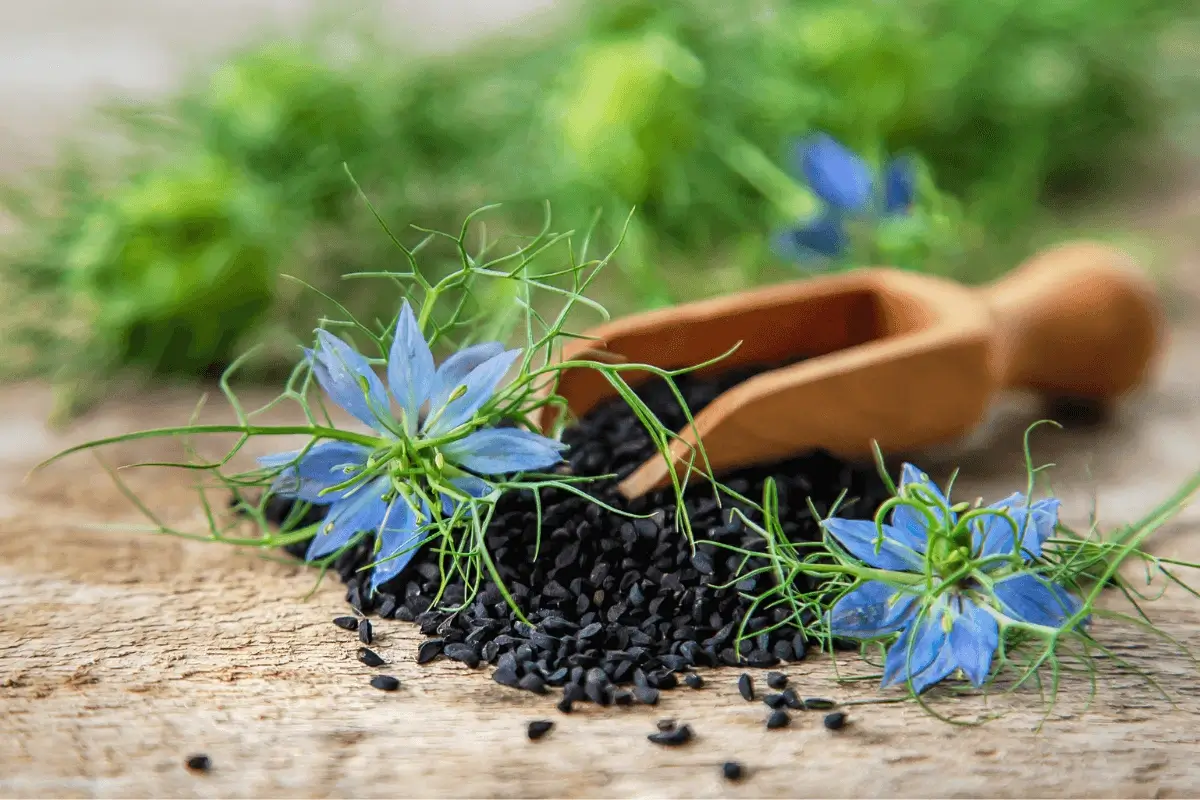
(793, 201)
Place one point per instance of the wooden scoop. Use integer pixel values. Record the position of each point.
(902, 358)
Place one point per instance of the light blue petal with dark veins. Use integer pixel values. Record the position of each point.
(1031, 598)
(398, 537)
(993, 535)
(910, 519)
(410, 367)
(871, 610)
(974, 639)
(500, 451)
(361, 511)
(349, 381)
(834, 173)
(481, 384)
(918, 647)
(454, 370)
(858, 537)
(321, 468)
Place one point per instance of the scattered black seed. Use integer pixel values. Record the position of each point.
(566, 706)
(693, 680)
(463, 653)
(818, 704)
(201, 762)
(347, 623)
(732, 771)
(623, 698)
(777, 680)
(628, 597)
(746, 687)
(775, 700)
(385, 682)
(836, 720)
(792, 700)
(365, 632)
(429, 650)
(539, 728)
(674, 737)
(666, 724)
(646, 695)
(369, 657)
(778, 719)
(532, 683)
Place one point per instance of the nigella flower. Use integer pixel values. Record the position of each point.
(980, 575)
(434, 435)
(845, 184)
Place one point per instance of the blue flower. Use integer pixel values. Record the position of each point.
(987, 561)
(845, 184)
(370, 489)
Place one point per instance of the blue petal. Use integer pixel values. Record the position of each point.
(910, 519)
(455, 369)
(1030, 598)
(497, 451)
(410, 367)
(899, 186)
(1044, 520)
(399, 535)
(469, 484)
(993, 535)
(481, 385)
(858, 537)
(361, 511)
(824, 236)
(341, 371)
(940, 668)
(918, 647)
(321, 468)
(836, 175)
(974, 639)
(870, 611)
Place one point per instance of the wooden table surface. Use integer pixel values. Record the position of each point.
(123, 653)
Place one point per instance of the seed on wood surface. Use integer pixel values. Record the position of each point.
(463, 653)
(365, 631)
(836, 720)
(539, 728)
(429, 650)
(201, 762)
(778, 719)
(623, 698)
(693, 680)
(532, 683)
(818, 704)
(646, 695)
(775, 700)
(346, 623)
(732, 771)
(385, 682)
(565, 705)
(507, 677)
(666, 724)
(746, 687)
(777, 680)
(674, 737)
(369, 657)
(792, 700)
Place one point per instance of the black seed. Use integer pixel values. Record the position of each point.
(746, 687)
(490, 652)
(674, 737)
(565, 705)
(818, 704)
(778, 719)
(591, 630)
(732, 771)
(365, 632)
(201, 762)
(369, 657)
(623, 698)
(761, 659)
(463, 653)
(646, 695)
(792, 700)
(836, 720)
(573, 692)
(775, 700)
(532, 683)
(782, 650)
(777, 680)
(693, 680)
(385, 683)
(539, 728)
(348, 623)
(506, 677)
(666, 724)
(429, 650)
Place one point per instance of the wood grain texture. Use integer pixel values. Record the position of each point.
(122, 653)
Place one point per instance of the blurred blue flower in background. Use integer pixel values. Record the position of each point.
(847, 187)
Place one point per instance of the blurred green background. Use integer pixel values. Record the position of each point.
(167, 261)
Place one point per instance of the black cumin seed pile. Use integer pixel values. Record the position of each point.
(617, 601)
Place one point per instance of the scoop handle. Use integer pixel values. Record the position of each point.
(1080, 319)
